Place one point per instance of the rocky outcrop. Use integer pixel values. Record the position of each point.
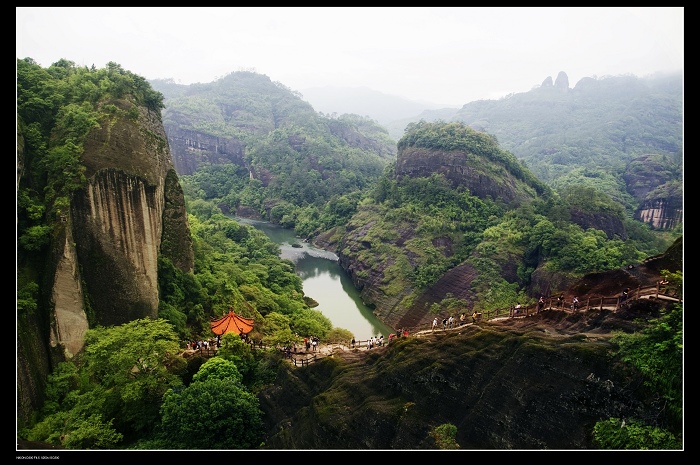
(402, 305)
(656, 182)
(483, 178)
(116, 227)
(562, 81)
(191, 149)
(661, 213)
(103, 265)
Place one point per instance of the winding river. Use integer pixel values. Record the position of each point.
(325, 281)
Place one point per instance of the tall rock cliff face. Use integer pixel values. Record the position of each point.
(658, 182)
(104, 263)
(117, 221)
(662, 214)
(191, 149)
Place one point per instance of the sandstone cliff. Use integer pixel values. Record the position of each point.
(103, 268)
(464, 169)
(658, 183)
(191, 149)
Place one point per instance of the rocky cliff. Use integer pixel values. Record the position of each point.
(103, 268)
(191, 149)
(657, 182)
(661, 213)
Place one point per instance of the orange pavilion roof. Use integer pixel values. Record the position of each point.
(232, 323)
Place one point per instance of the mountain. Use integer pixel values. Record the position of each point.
(381, 107)
(602, 132)
(115, 207)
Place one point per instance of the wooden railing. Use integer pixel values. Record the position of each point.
(552, 303)
(305, 358)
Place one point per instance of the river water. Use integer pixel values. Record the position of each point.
(326, 282)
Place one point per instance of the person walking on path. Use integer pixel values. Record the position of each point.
(444, 324)
(434, 324)
(624, 295)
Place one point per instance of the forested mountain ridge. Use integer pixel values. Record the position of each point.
(601, 133)
(297, 156)
(598, 133)
(460, 223)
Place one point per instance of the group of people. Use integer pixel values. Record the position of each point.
(311, 343)
(375, 341)
(451, 322)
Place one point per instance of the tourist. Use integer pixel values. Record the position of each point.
(574, 304)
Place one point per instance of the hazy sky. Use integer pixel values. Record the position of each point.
(439, 55)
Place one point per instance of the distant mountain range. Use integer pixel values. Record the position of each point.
(363, 101)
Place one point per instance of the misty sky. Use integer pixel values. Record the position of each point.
(440, 55)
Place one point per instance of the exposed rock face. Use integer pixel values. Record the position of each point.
(661, 213)
(191, 149)
(104, 265)
(70, 319)
(562, 81)
(483, 179)
(654, 180)
(116, 227)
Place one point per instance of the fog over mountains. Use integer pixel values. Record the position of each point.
(363, 101)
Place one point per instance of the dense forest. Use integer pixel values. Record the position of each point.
(131, 389)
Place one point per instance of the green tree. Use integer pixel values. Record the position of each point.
(632, 434)
(214, 412)
(130, 363)
(444, 436)
(657, 352)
